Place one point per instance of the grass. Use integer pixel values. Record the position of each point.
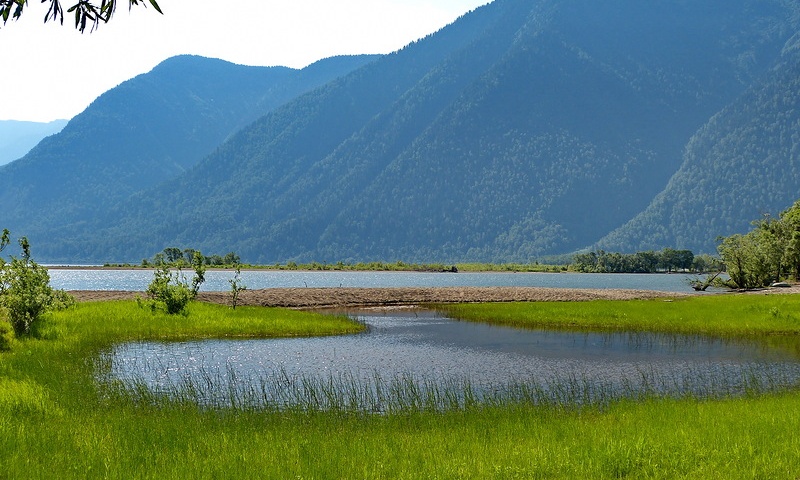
(56, 421)
(712, 315)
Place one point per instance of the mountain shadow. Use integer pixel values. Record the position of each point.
(743, 164)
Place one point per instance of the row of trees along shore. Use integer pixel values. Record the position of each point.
(769, 253)
(667, 260)
(174, 256)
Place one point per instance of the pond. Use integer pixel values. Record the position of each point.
(419, 358)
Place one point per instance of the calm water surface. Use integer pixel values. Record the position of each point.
(430, 348)
(137, 280)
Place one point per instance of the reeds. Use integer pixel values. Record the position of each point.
(404, 393)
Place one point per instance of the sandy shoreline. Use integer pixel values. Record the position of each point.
(364, 297)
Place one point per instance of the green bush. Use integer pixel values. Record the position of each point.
(25, 291)
(171, 291)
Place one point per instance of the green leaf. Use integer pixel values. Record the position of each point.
(155, 5)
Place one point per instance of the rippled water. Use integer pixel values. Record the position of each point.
(137, 280)
(426, 347)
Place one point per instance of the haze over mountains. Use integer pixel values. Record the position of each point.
(524, 129)
(17, 138)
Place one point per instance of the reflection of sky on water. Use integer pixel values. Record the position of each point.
(430, 347)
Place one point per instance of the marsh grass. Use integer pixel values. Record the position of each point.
(57, 421)
(725, 316)
(275, 391)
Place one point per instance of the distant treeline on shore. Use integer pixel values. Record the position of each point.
(667, 260)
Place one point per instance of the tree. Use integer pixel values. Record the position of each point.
(237, 287)
(768, 253)
(791, 221)
(85, 12)
(684, 259)
(25, 291)
(172, 254)
(646, 262)
(746, 260)
(231, 258)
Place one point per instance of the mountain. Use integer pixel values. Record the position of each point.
(17, 137)
(743, 164)
(147, 130)
(524, 128)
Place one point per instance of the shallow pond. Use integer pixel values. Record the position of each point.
(449, 360)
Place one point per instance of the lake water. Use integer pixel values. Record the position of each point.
(137, 280)
(425, 349)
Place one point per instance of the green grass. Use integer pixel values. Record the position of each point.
(713, 315)
(56, 423)
(120, 321)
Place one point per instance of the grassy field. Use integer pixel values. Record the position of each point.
(55, 421)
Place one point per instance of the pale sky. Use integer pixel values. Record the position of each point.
(49, 71)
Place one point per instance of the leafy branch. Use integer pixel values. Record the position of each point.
(86, 13)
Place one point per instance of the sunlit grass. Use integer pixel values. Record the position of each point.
(123, 320)
(714, 315)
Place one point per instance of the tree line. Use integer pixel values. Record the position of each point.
(175, 257)
(667, 260)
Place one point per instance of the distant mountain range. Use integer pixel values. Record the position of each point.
(17, 138)
(523, 129)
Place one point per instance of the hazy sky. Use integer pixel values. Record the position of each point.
(56, 71)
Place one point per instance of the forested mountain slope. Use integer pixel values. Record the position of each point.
(145, 131)
(525, 128)
(744, 163)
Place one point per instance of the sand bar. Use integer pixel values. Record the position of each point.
(363, 297)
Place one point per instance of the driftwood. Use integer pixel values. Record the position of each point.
(702, 285)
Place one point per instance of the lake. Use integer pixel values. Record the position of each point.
(444, 360)
(137, 280)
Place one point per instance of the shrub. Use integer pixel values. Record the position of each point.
(25, 292)
(237, 287)
(168, 291)
(171, 291)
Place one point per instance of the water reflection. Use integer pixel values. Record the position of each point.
(427, 350)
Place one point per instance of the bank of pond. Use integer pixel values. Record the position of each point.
(698, 387)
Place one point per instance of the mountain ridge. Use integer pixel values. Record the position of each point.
(147, 130)
(523, 129)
